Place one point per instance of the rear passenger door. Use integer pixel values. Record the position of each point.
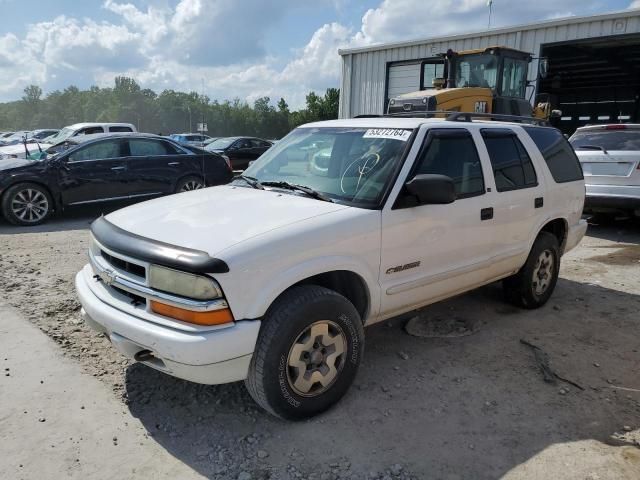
(429, 251)
(155, 165)
(519, 196)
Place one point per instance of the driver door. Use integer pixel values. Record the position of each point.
(430, 251)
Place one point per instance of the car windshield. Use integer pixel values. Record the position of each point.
(220, 144)
(61, 136)
(348, 165)
(622, 140)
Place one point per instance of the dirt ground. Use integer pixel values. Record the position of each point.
(473, 406)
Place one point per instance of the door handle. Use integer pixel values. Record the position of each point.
(173, 164)
(117, 168)
(538, 202)
(486, 213)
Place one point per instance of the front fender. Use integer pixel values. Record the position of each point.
(252, 299)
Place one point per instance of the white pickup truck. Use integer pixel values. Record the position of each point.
(270, 279)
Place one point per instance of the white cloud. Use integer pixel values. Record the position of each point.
(634, 4)
(222, 42)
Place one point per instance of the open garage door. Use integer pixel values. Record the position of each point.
(594, 81)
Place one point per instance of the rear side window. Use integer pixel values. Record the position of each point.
(623, 140)
(144, 147)
(560, 157)
(90, 131)
(453, 153)
(120, 129)
(512, 167)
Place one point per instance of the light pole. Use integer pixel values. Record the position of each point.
(189, 108)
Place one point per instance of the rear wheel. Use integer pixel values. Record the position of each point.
(533, 285)
(190, 183)
(307, 354)
(27, 204)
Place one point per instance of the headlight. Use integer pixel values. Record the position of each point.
(183, 283)
(392, 102)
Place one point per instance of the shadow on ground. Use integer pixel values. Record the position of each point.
(469, 407)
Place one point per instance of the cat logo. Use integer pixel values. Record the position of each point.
(481, 107)
(402, 268)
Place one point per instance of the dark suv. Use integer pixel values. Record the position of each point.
(241, 151)
(103, 168)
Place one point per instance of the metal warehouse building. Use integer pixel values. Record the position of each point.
(593, 76)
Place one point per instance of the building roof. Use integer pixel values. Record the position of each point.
(497, 31)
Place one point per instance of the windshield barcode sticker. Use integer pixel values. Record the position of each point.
(392, 133)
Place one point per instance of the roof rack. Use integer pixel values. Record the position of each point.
(452, 116)
(468, 117)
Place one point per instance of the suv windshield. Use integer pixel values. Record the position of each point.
(625, 140)
(349, 165)
(61, 136)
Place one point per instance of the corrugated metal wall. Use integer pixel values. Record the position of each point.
(362, 88)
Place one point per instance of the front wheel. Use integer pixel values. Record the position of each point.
(307, 354)
(533, 285)
(27, 204)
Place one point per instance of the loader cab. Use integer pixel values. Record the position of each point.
(490, 80)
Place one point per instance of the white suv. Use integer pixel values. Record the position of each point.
(610, 158)
(342, 224)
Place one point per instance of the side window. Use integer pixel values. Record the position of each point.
(512, 167)
(139, 147)
(120, 129)
(90, 131)
(97, 151)
(453, 153)
(558, 153)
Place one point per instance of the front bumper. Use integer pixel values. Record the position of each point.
(615, 197)
(209, 356)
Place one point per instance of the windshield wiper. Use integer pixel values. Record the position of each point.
(301, 188)
(254, 182)
(591, 147)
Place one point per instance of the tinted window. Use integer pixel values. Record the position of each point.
(512, 167)
(625, 140)
(97, 151)
(120, 129)
(560, 157)
(90, 130)
(454, 154)
(143, 147)
(514, 77)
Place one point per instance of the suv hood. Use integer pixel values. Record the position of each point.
(216, 218)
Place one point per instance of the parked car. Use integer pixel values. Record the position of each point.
(18, 150)
(15, 138)
(610, 158)
(193, 139)
(41, 134)
(272, 278)
(103, 168)
(240, 150)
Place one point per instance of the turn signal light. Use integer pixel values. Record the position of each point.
(214, 317)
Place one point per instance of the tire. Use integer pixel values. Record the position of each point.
(190, 183)
(305, 328)
(27, 204)
(525, 291)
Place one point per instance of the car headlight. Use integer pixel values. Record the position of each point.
(392, 102)
(183, 284)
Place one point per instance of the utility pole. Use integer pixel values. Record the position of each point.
(490, 5)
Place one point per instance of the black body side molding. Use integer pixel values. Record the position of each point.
(153, 251)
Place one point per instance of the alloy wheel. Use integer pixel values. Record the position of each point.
(30, 205)
(543, 272)
(192, 185)
(316, 358)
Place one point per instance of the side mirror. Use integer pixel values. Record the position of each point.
(432, 189)
(543, 67)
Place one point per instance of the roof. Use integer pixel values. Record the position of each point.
(607, 126)
(96, 136)
(75, 126)
(497, 31)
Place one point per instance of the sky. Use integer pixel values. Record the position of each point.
(231, 48)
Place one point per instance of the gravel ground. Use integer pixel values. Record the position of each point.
(468, 406)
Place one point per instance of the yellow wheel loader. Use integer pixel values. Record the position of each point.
(490, 80)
